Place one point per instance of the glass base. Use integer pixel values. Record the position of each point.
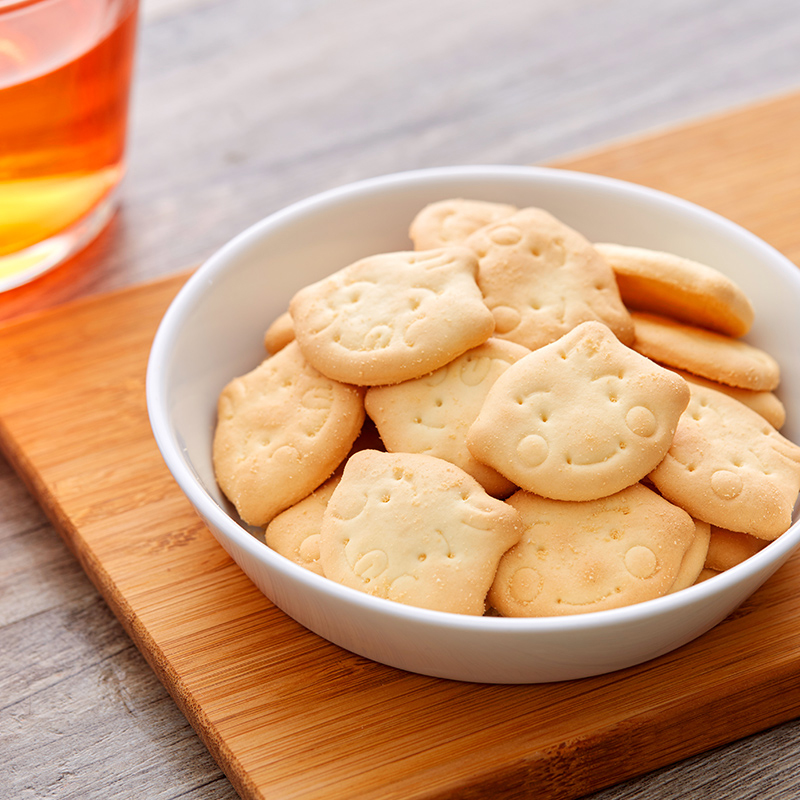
(22, 267)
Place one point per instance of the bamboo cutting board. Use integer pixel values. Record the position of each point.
(287, 714)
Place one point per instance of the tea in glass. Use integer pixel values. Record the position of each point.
(65, 69)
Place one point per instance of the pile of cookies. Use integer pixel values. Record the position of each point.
(509, 419)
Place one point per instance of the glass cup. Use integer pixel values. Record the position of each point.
(65, 69)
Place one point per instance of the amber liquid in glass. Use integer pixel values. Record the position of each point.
(64, 82)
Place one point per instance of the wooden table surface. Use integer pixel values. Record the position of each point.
(241, 106)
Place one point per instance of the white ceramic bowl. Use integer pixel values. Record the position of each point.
(214, 330)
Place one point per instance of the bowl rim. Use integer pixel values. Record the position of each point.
(180, 307)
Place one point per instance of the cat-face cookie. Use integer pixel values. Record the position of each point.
(580, 418)
(767, 404)
(417, 530)
(432, 414)
(282, 430)
(730, 467)
(541, 278)
(574, 558)
(392, 317)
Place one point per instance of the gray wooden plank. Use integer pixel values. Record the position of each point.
(81, 713)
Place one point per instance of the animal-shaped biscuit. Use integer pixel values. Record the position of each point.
(415, 529)
(705, 353)
(282, 430)
(541, 278)
(447, 222)
(767, 404)
(730, 467)
(676, 287)
(295, 533)
(393, 316)
(590, 556)
(432, 414)
(580, 418)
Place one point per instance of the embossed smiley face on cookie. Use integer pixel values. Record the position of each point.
(581, 418)
(579, 557)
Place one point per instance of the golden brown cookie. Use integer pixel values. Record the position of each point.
(705, 575)
(678, 288)
(541, 278)
(694, 560)
(728, 548)
(705, 353)
(295, 533)
(767, 404)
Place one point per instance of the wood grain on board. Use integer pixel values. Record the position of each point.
(743, 164)
(286, 713)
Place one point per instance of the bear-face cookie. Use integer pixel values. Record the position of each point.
(432, 414)
(541, 278)
(728, 466)
(574, 558)
(392, 317)
(417, 530)
(282, 430)
(580, 418)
